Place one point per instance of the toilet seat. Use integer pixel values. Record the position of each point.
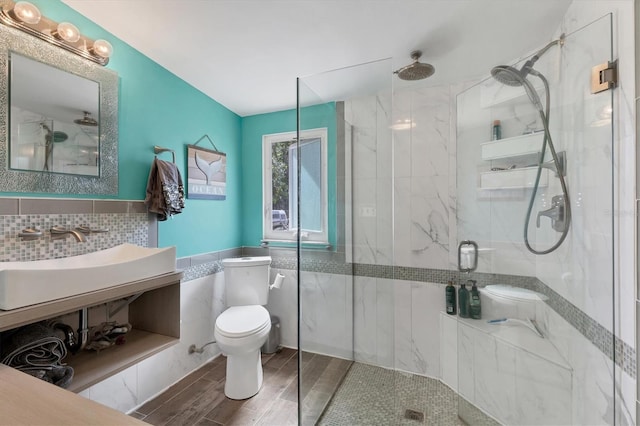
(242, 321)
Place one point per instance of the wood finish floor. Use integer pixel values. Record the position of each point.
(199, 399)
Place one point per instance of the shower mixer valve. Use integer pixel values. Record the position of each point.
(556, 213)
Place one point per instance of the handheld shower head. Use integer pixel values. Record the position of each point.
(507, 75)
(60, 136)
(510, 76)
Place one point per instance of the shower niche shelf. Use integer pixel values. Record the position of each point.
(514, 147)
(517, 156)
(513, 179)
(154, 315)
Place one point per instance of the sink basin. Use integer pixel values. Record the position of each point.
(28, 283)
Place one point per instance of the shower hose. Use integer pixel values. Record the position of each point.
(547, 140)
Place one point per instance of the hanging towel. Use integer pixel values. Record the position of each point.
(165, 193)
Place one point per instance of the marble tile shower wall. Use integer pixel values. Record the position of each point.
(426, 219)
(372, 231)
(424, 181)
(406, 219)
(596, 372)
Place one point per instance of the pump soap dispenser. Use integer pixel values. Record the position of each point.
(463, 301)
(474, 302)
(450, 298)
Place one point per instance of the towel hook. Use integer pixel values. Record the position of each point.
(159, 150)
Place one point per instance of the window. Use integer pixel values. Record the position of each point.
(280, 177)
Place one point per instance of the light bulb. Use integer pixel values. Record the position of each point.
(68, 32)
(102, 48)
(27, 12)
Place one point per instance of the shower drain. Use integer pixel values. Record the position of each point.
(414, 415)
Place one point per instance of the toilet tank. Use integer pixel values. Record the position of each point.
(247, 280)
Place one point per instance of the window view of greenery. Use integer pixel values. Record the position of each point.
(280, 184)
(287, 166)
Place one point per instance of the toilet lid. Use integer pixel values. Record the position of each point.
(241, 321)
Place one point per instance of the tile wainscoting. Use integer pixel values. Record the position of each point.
(361, 312)
(332, 263)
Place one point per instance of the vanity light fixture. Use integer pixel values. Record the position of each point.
(26, 17)
(67, 32)
(102, 48)
(26, 12)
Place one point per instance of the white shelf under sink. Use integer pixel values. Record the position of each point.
(154, 316)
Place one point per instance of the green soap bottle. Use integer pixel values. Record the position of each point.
(463, 301)
(474, 302)
(450, 293)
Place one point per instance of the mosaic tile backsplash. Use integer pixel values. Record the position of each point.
(122, 228)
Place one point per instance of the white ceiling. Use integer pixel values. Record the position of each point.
(246, 54)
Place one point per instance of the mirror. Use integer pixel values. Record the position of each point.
(59, 113)
(51, 124)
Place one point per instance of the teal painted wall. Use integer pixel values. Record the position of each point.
(158, 108)
(253, 128)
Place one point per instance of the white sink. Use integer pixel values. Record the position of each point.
(28, 283)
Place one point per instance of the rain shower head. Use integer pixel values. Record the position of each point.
(87, 120)
(416, 70)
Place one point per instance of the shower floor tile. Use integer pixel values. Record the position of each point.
(335, 391)
(372, 395)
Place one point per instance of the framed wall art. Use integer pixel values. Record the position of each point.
(206, 172)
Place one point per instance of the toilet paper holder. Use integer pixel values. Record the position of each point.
(277, 282)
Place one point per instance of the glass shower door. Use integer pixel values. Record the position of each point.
(542, 351)
(346, 287)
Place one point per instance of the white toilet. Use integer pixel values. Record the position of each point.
(243, 328)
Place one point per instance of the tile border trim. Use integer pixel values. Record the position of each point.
(622, 354)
